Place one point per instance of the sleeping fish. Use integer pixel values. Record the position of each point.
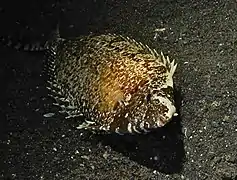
(118, 84)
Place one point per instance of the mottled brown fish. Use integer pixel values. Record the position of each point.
(118, 84)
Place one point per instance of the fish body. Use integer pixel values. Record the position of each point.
(116, 83)
(119, 85)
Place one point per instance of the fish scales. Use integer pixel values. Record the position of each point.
(118, 84)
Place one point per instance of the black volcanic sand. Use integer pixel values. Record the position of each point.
(200, 144)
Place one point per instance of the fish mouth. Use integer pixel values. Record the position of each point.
(147, 126)
(143, 126)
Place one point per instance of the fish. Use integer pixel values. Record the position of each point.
(119, 85)
(116, 83)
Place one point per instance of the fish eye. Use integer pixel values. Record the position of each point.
(148, 97)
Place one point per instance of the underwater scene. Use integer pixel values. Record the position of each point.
(118, 90)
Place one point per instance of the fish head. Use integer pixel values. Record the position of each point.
(160, 107)
(145, 111)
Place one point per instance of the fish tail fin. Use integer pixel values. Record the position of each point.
(19, 44)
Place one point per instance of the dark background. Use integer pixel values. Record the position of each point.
(200, 144)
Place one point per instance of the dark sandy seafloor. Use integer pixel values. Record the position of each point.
(200, 144)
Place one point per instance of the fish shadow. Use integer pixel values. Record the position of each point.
(161, 150)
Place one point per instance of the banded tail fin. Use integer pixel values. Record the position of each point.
(21, 46)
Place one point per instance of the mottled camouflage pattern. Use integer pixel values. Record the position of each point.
(118, 84)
